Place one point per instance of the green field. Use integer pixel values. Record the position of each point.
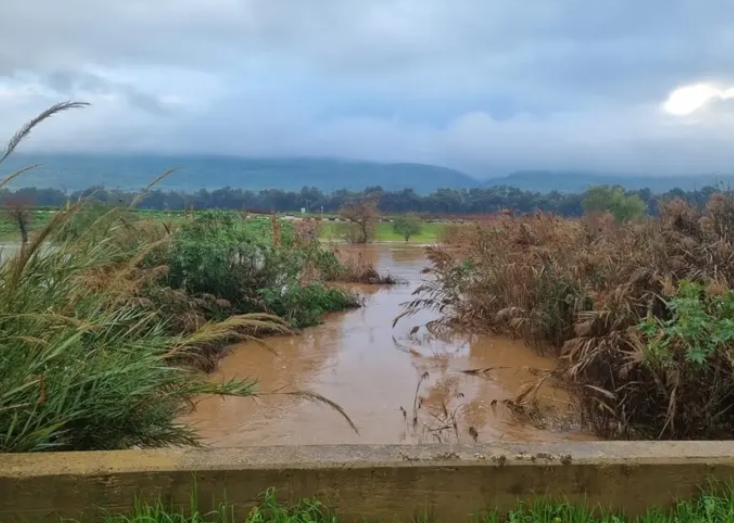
(385, 233)
(330, 231)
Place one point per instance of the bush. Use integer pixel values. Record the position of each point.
(218, 254)
(91, 356)
(407, 225)
(305, 305)
(639, 313)
(613, 200)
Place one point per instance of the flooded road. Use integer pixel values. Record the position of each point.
(397, 387)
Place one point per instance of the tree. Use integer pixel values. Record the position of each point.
(623, 204)
(407, 225)
(362, 217)
(613, 200)
(18, 209)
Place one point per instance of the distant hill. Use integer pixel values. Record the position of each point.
(576, 182)
(133, 172)
(197, 172)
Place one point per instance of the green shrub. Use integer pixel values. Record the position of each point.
(701, 324)
(305, 305)
(222, 255)
(407, 225)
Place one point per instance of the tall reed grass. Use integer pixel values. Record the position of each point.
(639, 314)
(93, 350)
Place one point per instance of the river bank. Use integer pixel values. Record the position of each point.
(399, 385)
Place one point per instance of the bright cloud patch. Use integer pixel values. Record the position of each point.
(686, 100)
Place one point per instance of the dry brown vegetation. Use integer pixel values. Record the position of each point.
(640, 315)
(361, 219)
(354, 267)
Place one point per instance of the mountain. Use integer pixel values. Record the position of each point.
(576, 182)
(134, 172)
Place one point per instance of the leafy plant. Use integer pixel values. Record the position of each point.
(614, 200)
(218, 254)
(407, 225)
(305, 305)
(701, 324)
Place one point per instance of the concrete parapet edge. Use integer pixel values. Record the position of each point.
(449, 482)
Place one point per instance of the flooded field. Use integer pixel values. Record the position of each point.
(398, 386)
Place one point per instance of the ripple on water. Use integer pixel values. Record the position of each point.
(373, 371)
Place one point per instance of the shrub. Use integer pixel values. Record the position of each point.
(339, 266)
(362, 221)
(613, 200)
(407, 225)
(216, 254)
(639, 313)
(304, 306)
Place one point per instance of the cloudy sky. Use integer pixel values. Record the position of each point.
(483, 85)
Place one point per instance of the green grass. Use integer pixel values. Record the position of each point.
(430, 233)
(385, 233)
(9, 229)
(706, 509)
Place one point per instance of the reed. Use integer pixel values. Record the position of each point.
(97, 349)
(638, 313)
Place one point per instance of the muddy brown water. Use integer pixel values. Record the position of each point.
(383, 377)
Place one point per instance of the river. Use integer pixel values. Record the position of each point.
(373, 371)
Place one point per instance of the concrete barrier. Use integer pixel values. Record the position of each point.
(383, 482)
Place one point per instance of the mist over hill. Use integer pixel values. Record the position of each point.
(132, 172)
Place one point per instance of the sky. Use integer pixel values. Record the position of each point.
(486, 86)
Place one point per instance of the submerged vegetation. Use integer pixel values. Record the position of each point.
(107, 319)
(217, 254)
(639, 313)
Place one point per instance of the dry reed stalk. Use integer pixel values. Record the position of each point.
(579, 289)
(275, 227)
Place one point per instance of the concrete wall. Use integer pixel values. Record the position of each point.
(448, 482)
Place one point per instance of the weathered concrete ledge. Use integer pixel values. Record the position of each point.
(382, 482)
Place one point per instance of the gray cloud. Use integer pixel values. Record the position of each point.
(485, 86)
(75, 83)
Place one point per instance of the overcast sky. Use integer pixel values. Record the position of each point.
(483, 85)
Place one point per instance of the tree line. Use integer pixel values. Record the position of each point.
(442, 201)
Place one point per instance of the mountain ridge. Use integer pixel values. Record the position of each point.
(75, 171)
(194, 172)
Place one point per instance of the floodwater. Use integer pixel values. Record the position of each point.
(397, 387)
(8, 249)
